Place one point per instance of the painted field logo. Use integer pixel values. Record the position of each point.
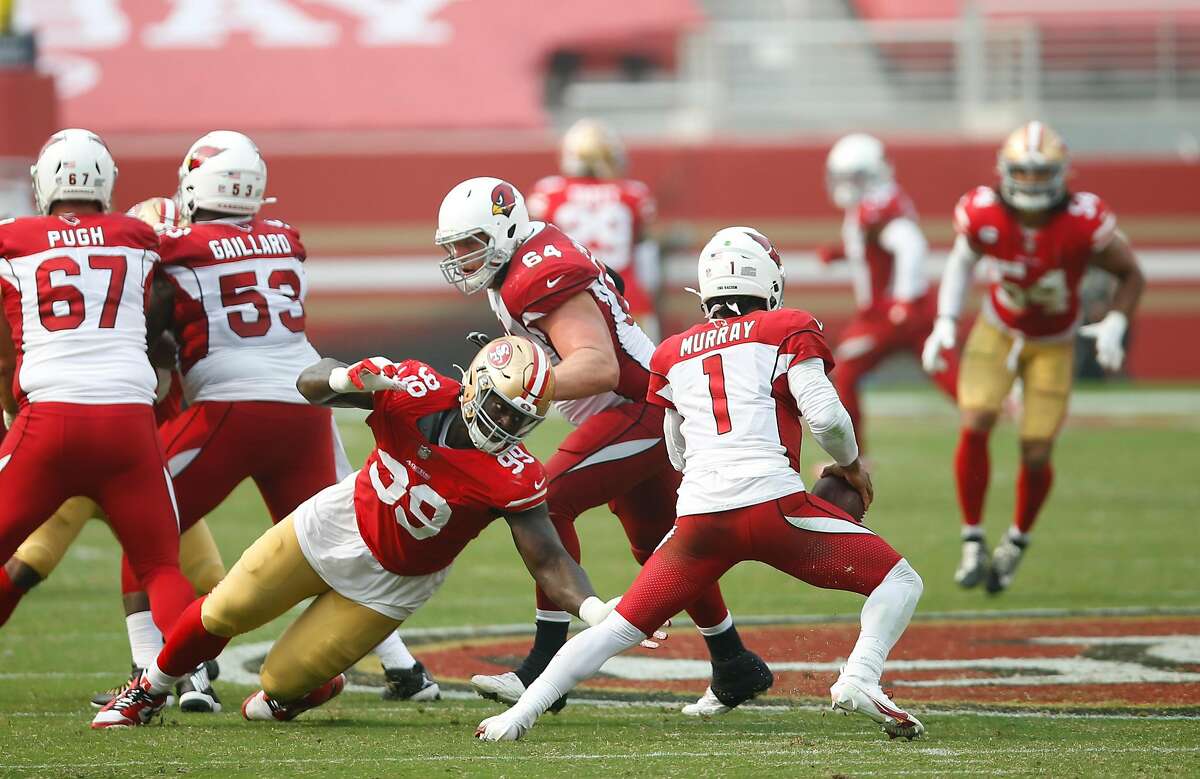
(1085, 662)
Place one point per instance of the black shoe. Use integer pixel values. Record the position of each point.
(741, 678)
(196, 694)
(102, 699)
(410, 684)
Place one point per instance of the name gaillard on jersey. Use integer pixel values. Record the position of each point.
(74, 292)
(239, 290)
(728, 380)
(418, 502)
(1034, 273)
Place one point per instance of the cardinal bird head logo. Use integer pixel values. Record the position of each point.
(762, 241)
(202, 155)
(504, 199)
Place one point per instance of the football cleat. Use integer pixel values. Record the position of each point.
(852, 696)
(105, 697)
(507, 688)
(973, 567)
(137, 705)
(502, 727)
(410, 684)
(739, 679)
(707, 706)
(261, 706)
(1005, 560)
(195, 691)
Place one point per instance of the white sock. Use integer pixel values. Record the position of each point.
(546, 615)
(394, 654)
(145, 641)
(885, 615)
(159, 681)
(579, 658)
(718, 628)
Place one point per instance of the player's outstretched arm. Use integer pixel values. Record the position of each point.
(581, 337)
(553, 569)
(316, 383)
(1118, 259)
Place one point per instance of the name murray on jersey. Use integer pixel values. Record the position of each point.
(718, 336)
(253, 245)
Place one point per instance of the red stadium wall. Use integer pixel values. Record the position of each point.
(361, 203)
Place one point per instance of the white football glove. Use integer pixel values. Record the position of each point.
(1109, 333)
(374, 374)
(593, 611)
(943, 337)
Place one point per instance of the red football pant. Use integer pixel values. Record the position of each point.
(798, 534)
(288, 449)
(618, 457)
(107, 453)
(872, 336)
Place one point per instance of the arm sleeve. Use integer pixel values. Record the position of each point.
(649, 271)
(674, 438)
(956, 277)
(905, 241)
(822, 409)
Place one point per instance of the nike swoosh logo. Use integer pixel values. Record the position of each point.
(537, 485)
(552, 282)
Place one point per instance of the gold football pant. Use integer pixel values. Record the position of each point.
(330, 635)
(1045, 368)
(46, 546)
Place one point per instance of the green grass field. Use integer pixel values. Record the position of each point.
(1117, 532)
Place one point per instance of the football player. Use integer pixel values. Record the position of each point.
(375, 546)
(44, 549)
(546, 287)
(74, 369)
(886, 251)
(734, 390)
(1040, 238)
(234, 297)
(611, 215)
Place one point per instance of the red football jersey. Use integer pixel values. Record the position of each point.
(74, 293)
(549, 269)
(239, 308)
(608, 216)
(872, 266)
(1035, 273)
(728, 380)
(419, 503)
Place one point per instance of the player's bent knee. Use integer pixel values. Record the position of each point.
(1035, 453)
(906, 575)
(978, 419)
(226, 613)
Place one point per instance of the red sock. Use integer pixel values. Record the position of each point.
(972, 469)
(10, 595)
(1033, 485)
(189, 643)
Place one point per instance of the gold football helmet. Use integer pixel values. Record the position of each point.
(591, 148)
(506, 392)
(1033, 166)
(161, 213)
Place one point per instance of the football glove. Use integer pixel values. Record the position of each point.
(374, 374)
(830, 253)
(943, 337)
(593, 611)
(1109, 333)
(479, 339)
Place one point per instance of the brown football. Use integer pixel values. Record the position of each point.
(838, 491)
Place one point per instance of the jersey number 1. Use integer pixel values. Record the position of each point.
(714, 369)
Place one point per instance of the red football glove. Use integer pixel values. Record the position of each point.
(371, 375)
(830, 252)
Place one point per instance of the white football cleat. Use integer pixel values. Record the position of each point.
(1005, 560)
(973, 568)
(849, 695)
(502, 727)
(706, 706)
(506, 687)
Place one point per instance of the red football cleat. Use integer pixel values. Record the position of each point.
(135, 706)
(261, 706)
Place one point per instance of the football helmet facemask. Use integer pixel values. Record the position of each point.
(1033, 166)
(506, 392)
(480, 224)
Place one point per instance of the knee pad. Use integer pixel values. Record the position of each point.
(199, 558)
(44, 549)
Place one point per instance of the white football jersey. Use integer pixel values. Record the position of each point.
(74, 296)
(727, 379)
(239, 309)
